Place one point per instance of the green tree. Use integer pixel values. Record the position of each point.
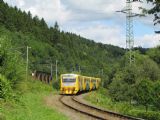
(127, 76)
(144, 93)
(154, 10)
(56, 26)
(118, 89)
(156, 94)
(68, 48)
(12, 64)
(56, 33)
(150, 70)
(154, 53)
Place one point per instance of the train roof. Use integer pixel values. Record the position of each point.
(69, 74)
(72, 74)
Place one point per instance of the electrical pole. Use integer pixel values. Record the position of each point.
(79, 69)
(102, 77)
(27, 64)
(129, 28)
(129, 31)
(51, 71)
(56, 69)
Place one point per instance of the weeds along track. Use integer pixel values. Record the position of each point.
(94, 112)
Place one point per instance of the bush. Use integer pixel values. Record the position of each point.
(56, 84)
(156, 94)
(149, 115)
(144, 93)
(12, 65)
(5, 88)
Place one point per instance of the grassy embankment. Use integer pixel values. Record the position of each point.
(101, 98)
(30, 104)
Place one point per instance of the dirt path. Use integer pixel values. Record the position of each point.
(52, 101)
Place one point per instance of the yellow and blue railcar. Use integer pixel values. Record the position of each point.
(74, 83)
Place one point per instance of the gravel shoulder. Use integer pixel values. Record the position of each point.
(52, 101)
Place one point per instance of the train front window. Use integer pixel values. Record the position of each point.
(69, 80)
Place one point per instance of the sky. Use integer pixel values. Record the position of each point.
(94, 19)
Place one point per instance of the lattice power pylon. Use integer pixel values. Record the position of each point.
(129, 29)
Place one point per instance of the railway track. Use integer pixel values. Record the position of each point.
(94, 112)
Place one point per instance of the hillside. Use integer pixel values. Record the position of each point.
(50, 44)
(131, 85)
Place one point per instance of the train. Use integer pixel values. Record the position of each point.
(42, 76)
(75, 83)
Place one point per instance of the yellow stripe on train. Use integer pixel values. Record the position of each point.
(74, 83)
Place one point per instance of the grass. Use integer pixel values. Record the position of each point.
(102, 99)
(30, 105)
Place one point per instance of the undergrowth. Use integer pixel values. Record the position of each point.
(30, 105)
(102, 99)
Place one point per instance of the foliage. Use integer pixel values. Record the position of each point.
(118, 89)
(149, 115)
(75, 54)
(156, 94)
(11, 62)
(5, 88)
(154, 10)
(48, 44)
(31, 105)
(144, 93)
(154, 53)
(134, 83)
(102, 99)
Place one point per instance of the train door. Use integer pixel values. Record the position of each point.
(84, 83)
(80, 83)
(91, 83)
(88, 84)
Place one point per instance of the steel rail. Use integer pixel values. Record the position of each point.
(114, 114)
(107, 111)
(78, 110)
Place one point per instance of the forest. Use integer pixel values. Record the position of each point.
(137, 84)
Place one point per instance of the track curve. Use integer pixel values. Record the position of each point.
(97, 113)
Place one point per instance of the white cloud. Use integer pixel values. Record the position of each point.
(92, 10)
(103, 33)
(51, 10)
(148, 40)
(19, 3)
(81, 10)
(94, 19)
(114, 35)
